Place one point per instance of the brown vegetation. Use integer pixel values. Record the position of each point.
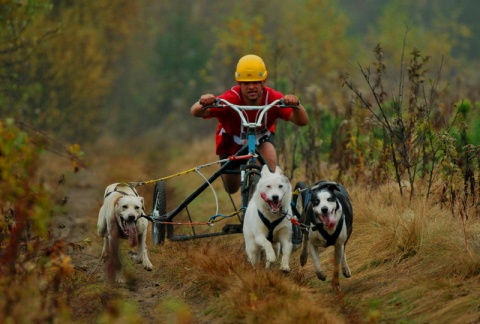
(411, 261)
(404, 143)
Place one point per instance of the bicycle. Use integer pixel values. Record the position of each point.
(162, 219)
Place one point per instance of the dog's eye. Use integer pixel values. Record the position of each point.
(125, 206)
(331, 199)
(280, 186)
(315, 202)
(137, 207)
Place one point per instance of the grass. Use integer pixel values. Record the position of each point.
(411, 262)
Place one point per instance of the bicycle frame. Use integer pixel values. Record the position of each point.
(252, 166)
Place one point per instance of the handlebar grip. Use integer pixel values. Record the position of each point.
(282, 104)
(221, 103)
(216, 104)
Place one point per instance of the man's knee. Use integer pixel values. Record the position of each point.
(231, 183)
(232, 188)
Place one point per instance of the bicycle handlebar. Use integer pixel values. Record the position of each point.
(222, 103)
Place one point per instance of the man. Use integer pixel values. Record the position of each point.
(251, 76)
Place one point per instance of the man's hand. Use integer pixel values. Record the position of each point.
(291, 100)
(207, 99)
(299, 115)
(198, 108)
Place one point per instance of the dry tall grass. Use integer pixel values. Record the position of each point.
(410, 262)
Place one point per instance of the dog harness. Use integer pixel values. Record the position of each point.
(329, 238)
(270, 225)
(122, 192)
(332, 187)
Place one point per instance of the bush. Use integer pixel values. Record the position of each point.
(31, 269)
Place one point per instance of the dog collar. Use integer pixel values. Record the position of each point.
(329, 238)
(270, 225)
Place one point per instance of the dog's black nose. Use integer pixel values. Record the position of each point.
(324, 210)
(275, 198)
(131, 218)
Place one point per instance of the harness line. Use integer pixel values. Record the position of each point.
(211, 187)
(210, 222)
(196, 168)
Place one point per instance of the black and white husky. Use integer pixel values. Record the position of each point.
(329, 218)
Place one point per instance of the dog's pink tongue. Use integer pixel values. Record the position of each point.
(332, 223)
(131, 231)
(264, 197)
(275, 206)
(329, 221)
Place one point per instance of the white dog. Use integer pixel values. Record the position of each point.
(266, 223)
(329, 216)
(121, 217)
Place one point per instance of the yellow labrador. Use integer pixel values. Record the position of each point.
(120, 217)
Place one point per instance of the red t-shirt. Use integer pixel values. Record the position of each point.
(229, 127)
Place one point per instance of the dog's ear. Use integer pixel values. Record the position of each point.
(110, 207)
(278, 170)
(345, 202)
(115, 202)
(265, 170)
(287, 183)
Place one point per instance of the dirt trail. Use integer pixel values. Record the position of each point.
(83, 192)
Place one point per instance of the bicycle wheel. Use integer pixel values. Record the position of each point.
(298, 207)
(159, 209)
(250, 183)
(252, 176)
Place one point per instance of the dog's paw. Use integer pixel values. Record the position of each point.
(120, 279)
(271, 257)
(135, 257)
(321, 275)
(147, 265)
(346, 273)
(285, 269)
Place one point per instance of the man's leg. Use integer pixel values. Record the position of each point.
(267, 150)
(231, 182)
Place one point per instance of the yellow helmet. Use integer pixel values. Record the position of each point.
(251, 68)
